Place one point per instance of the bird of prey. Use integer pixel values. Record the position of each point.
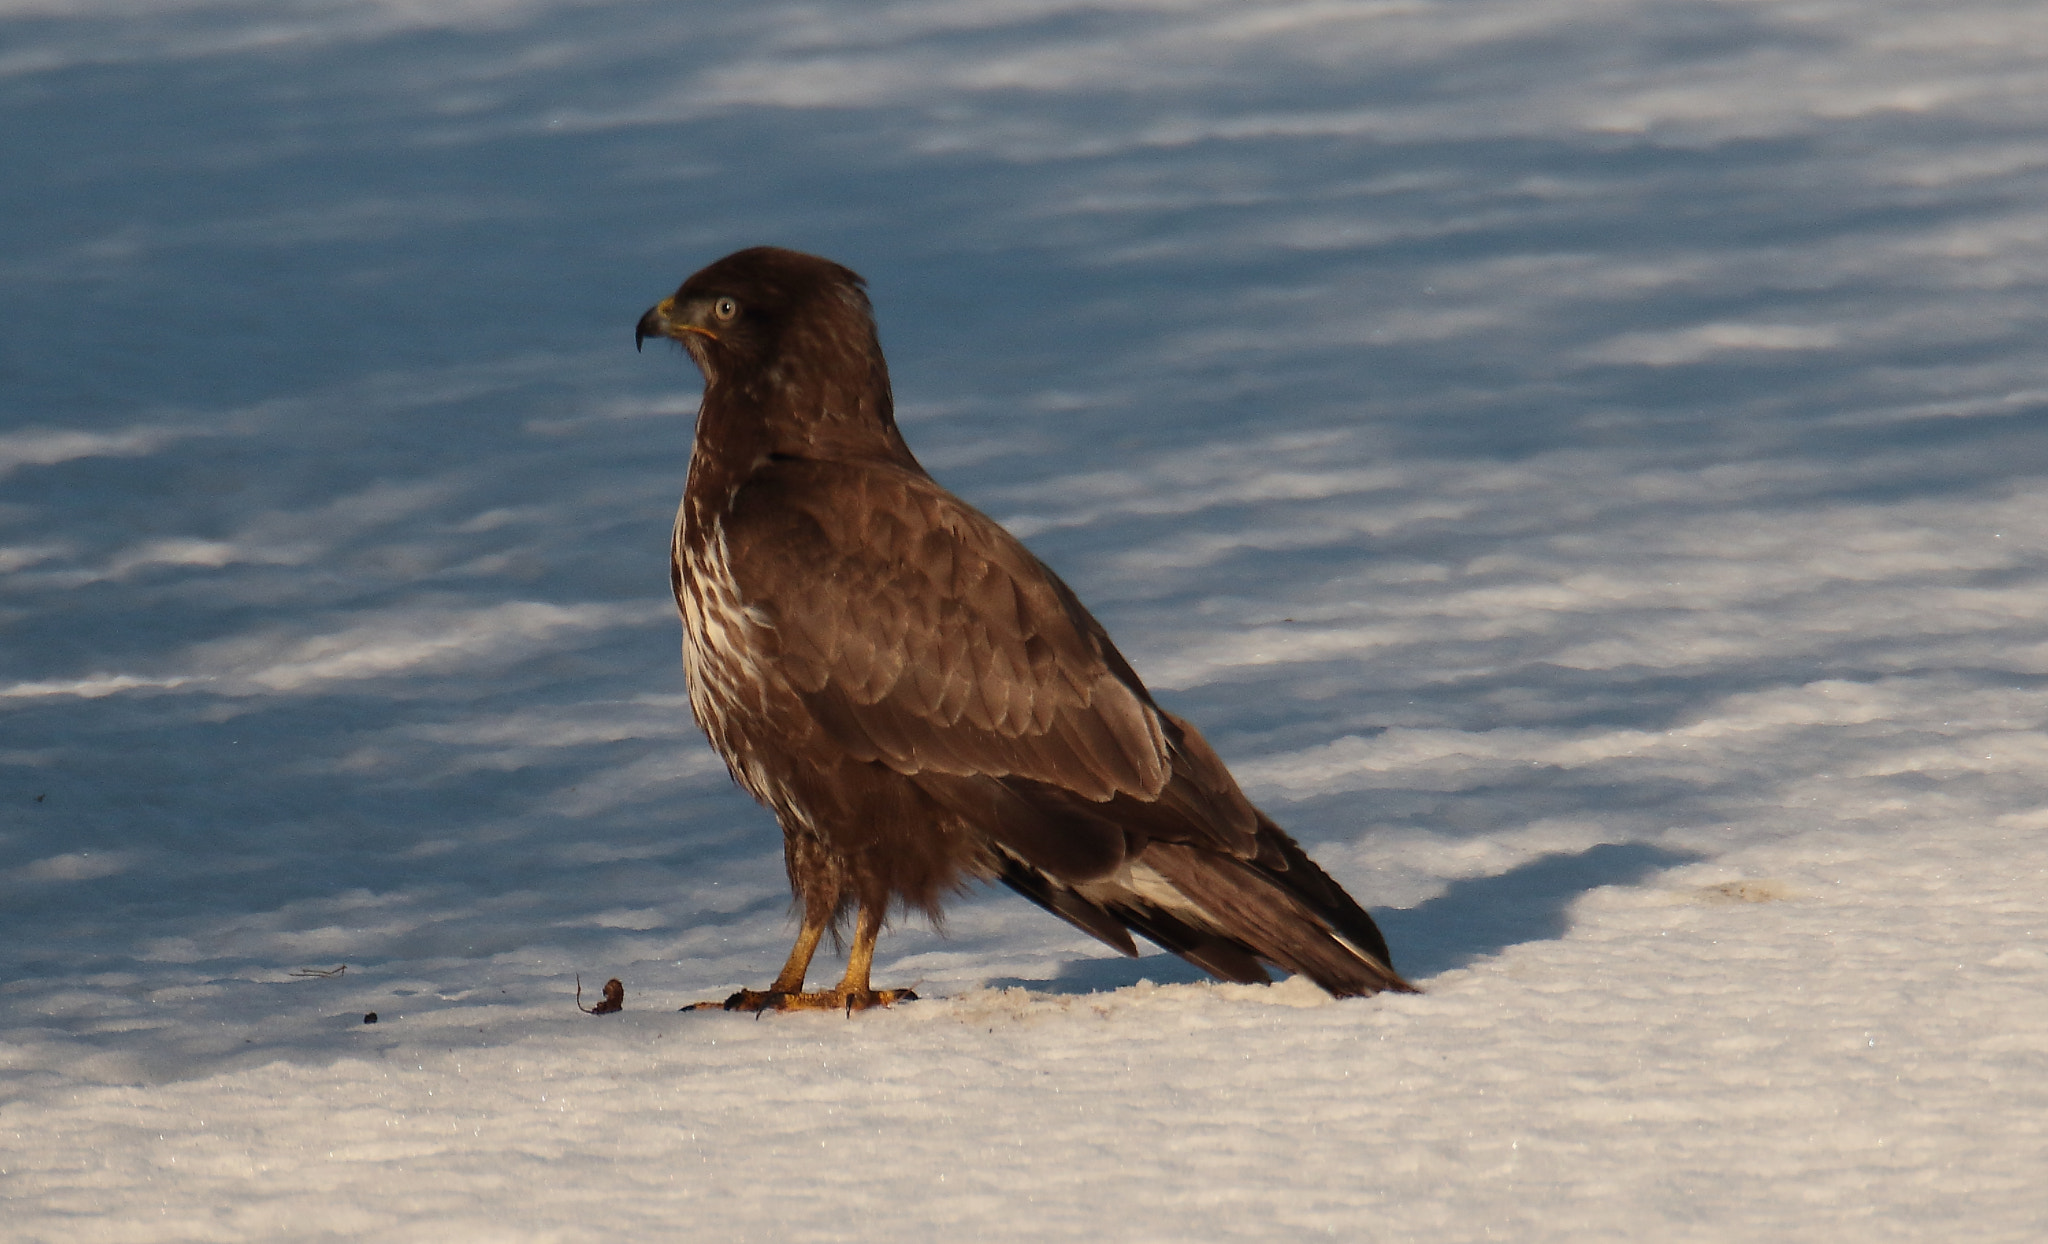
(918, 699)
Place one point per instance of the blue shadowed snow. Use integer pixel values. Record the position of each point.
(1580, 462)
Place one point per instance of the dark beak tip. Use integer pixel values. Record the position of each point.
(650, 325)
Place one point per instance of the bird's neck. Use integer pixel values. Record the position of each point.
(742, 429)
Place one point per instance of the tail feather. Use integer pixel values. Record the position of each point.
(1112, 921)
(1061, 901)
(1262, 913)
(1282, 861)
(1222, 957)
(1224, 914)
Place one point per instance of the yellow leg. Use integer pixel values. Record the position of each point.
(853, 992)
(861, 959)
(791, 978)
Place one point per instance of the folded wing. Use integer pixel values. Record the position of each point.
(923, 637)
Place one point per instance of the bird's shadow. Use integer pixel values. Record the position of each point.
(1481, 916)
(1473, 918)
(1079, 976)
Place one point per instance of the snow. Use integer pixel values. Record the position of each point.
(1581, 462)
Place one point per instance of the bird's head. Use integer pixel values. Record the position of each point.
(752, 309)
(789, 339)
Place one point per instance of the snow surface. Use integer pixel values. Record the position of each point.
(1580, 460)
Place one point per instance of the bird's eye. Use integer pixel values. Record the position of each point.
(725, 308)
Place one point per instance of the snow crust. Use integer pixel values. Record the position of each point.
(1581, 461)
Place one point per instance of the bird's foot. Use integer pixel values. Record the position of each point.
(848, 1000)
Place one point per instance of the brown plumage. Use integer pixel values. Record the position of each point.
(917, 698)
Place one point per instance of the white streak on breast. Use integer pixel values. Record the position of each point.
(722, 658)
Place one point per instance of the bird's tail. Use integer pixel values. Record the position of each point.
(1227, 914)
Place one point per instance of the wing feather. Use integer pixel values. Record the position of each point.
(925, 637)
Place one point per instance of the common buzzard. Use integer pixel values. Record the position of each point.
(920, 701)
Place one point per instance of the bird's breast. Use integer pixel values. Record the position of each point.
(724, 661)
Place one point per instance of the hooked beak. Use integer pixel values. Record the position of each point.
(660, 322)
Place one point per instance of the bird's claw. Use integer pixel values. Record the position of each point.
(847, 1000)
